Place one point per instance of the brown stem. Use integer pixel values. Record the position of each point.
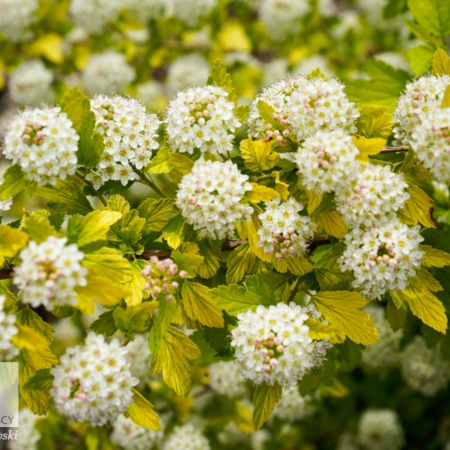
(394, 149)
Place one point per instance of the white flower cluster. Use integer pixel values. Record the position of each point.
(431, 143)
(284, 231)
(272, 344)
(383, 258)
(210, 198)
(161, 277)
(292, 406)
(420, 97)
(187, 72)
(280, 17)
(190, 11)
(93, 382)
(386, 352)
(129, 134)
(5, 205)
(8, 329)
(129, 436)
(108, 73)
(139, 355)
(49, 273)
(31, 84)
(380, 429)
(28, 435)
(225, 379)
(93, 15)
(186, 437)
(327, 160)
(16, 16)
(423, 368)
(373, 195)
(43, 143)
(201, 118)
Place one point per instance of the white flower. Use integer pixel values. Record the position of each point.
(327, 160)
(93, 15)
(210, 197)
(423, 368)
(129, 134)
(372, 195)
(420, 97)
(129, 436)
(27, 433)
(225, 379)
(31, 84)
(186, 72)
(5, 205)
(272, 344)
(8, 329)
(380, 429)
(93, 382)
(201, 118)
(292, 406)
(50, 272)
(190, 11)
(386, 352)
(383, 258)
(284, 231)
(43, 143)
(186, 437)
(16, 17)
(431, 143)
(108, 73)
(140, 357)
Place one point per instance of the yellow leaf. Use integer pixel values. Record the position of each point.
(343, 310)
(332, 223)
(243, 417)
(232, 37)
(261, 194)
(11, 241)
(424, 279)
(446, 100)
(264, 400)
(295, 265)
(242, 261)
(434, 257)
(375, 121)
(418, 208)
(441, 63)
(51, 47)
(28, 338)
(141, 412)
(95, 226)
(135, 286)
(315, 200)
(258, 155)
(248, 230)
(368, 147)
(38, 227)
(212, 255)
(319, 330)
(236, 299)
(337, 389)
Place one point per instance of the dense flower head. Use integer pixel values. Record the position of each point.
(28, 434)
(190, 11)
(93, 382)
(380, 429)
(43, 143)
(129, 134)
(16, 16)
(293, 406)
(129, 436)
(50, 272)
(187, 72)
(162, 277)
(8, 329)
(420, 97)
(139, 355)
(373, 195)
(383, 258)
(210, 198)
(423, 368)
(284, 231)
(186, 437)
(201, 118)
(431, 143)
(30, 84)
(225, 379)
(272, 344)
(93, 15)
(108, 73)
(327, 160)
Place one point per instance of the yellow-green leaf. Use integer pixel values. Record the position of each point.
(374, 121)
(187, 258)
(418, 208)
(261, 194)
(441, 62)
(424, 279)
(141, 412)
(319, 330)
(315, 200)
(37, 227)
(95, 226)
(295, 265)
(14, 181)
(434, 257)
(368, 147)
(212, 254)
(160, 163)
(118, 203)
(249, 230)
(50, 46)
(110, 263)
(135, 286)
(332, 223)
(446, 100)
(11, 241)
(265, 398)
(156, 214)
(242, 261)
(258, 155)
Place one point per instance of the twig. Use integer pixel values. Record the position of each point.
(88, 183)
(394, 149)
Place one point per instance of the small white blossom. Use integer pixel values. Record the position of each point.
(50, 272)
(16, 17)
(187, 72)
(210, 197)
(43, 143)
(129, 134)
(93, 15)
(372, 195)
(380, 429)
(420, 97)
(129, 436)
(186, 437)
(8, 329)
(225, 379)
(93, 382)
(292, 406)
(284, 232)
(272, 344)
(423, 368)
(5, 205)
(327, 160)
(27, 433)
(31, 84)
(201, 118)
(190, 11)
(383, 258)
(108, 73)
